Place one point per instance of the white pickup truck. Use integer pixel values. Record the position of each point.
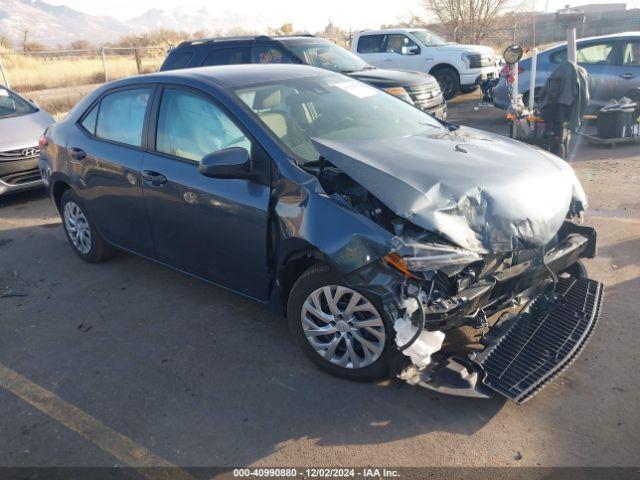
(458, 68)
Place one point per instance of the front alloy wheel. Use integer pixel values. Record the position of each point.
(343, 327)
(342, 330)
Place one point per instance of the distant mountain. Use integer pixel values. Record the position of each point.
(54, 25)
(193, 20)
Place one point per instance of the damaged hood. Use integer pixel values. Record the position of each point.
(483, 192)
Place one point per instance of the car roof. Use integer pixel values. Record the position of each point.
(229, 76)
(244, 38)
(391, 30)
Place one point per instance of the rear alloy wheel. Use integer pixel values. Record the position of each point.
(449, 82)
(83, 236)
(340, 329)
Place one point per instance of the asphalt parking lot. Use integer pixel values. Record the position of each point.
(128, 362)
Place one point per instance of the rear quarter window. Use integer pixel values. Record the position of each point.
(370, 43)
(177, 59)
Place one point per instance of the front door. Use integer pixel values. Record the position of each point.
(213, 228)
(402, 53)
(106, 155)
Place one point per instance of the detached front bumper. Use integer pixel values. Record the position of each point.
(526, 349)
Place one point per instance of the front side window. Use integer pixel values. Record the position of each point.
(191, 126)
(429, 39)
(268, 54)
(328, 56)
(228, 56)
(398, 43)
(12, 105)
(333, 107)
(370, 43)
(121, 116)
(631, 54)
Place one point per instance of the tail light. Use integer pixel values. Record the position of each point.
(42, 142)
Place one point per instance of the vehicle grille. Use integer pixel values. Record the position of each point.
(20, 154)
(426, 96)
(25, 176)
(544, 341)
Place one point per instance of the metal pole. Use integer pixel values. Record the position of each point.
(4, 75)
(571, 44)
(104, 65)
(532, 83)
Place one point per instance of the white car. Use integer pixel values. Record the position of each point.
(458, 68)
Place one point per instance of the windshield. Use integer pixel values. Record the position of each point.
(12, 105)
(328, 56)
(429, 39)
(333, 107)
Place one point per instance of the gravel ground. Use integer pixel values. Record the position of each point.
(200, 376)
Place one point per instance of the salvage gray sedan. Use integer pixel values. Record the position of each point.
(385, 235)
(21, 124)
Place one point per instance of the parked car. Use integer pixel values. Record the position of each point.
(612, 63)
(418, 89)
(378, 229)
(458, 68)
(21, 124)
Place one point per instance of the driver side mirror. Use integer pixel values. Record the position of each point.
(411, 50)
(233, 162)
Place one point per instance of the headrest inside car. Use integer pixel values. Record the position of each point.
(266, 99)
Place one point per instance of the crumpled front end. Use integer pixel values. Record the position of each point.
(505, 324)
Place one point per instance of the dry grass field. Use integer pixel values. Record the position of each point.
(57, 82)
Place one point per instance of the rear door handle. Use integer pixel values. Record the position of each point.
(77, 153)
(627, 76)
(154, 178)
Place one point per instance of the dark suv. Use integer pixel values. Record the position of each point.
(419, 89)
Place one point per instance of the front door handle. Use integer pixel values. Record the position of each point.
(154, 178)
(77, 153)
(627, 76)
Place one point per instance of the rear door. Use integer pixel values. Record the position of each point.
(600, 59)
(215, 229)
(371, 49)
(629, 73)
(106, 155)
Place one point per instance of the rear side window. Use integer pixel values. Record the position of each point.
(228, 56)
(370, 43)
(121, 116)
(592, 54)
(269, 54)
(177, 60)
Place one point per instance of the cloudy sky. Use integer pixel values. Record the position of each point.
(305, 14)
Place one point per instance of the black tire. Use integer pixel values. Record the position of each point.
(577, 270)
(320, 275)
(449, 81)
(468, 89)
(99, 250)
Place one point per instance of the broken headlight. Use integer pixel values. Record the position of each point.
(414, 256)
